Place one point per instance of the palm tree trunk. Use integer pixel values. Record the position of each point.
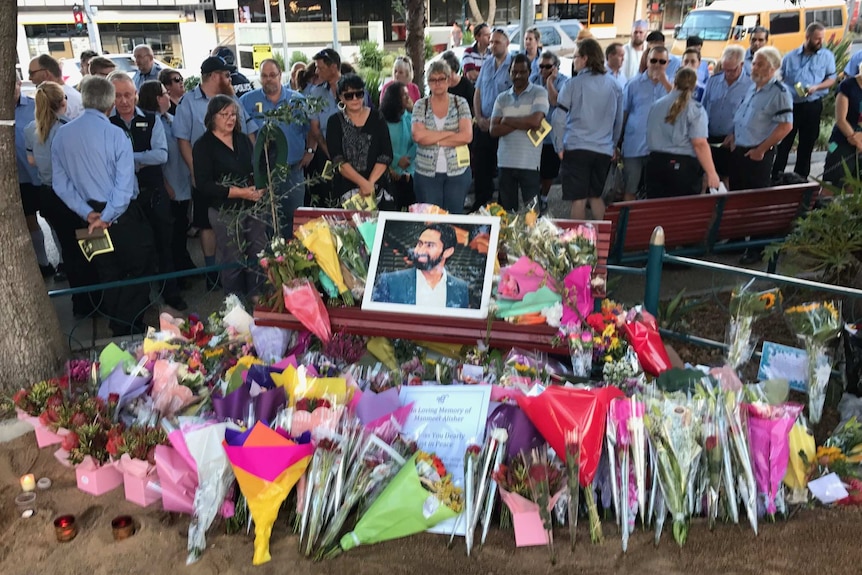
(415, 43)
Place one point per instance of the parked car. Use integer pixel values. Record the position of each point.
(71, 67)
(558, 36)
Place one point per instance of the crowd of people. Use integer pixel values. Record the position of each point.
(148, 162)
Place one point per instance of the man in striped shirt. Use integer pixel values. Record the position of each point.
(475, 55)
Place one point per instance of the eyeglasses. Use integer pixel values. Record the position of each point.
(657, 61)
(546, 66)
(177, 80)
(437, 80)
(226, 115)
(32, 72)
(355, 95)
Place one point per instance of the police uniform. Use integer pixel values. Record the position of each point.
(673, 168)
(152, 195)
(799, 68)
(756, 118)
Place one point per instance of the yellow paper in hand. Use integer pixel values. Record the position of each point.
(317, 238)
(800, 441)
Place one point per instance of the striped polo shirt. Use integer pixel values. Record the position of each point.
(515, 149)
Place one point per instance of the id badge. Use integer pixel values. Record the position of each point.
(462, 154)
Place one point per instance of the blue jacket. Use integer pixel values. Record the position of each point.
(400, 287)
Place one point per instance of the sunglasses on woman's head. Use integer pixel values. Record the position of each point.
(355, 95)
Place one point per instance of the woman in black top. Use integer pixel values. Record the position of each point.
(358, 141)
(224, 173)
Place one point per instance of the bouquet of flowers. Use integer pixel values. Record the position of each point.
(745, 307)
(673, 423)
(419, 497)
(580, 349)
(41, 395)
(317, 237)
(352, 254)
(769, 429)
(283, 262)
(641, 330)
(303, 300)
(816, 324)
(736, 459)
(138, 442)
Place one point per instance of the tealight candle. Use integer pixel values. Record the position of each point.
(28, 482)
(123, 527)
(65, 528)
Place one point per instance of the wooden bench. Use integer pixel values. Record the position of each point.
(497, 333)
(711, 223)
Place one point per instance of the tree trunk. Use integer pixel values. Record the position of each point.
(31, 343)
(415, 43)
(477, 15)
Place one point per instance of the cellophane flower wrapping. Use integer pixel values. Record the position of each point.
(419, 497)
(739, 478)
(746, 306)
(523, 277)
(641, 330)
(316, 236)
(816, 324)
(713, 447)
(303, 300)
(769, 429)
(580, 342)
(673, 423)
(577, 295)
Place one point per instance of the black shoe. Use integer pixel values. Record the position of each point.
(543, 206)
(177, 303)
(213, 282)
(60, 275)
(751, 256)
(47, 271)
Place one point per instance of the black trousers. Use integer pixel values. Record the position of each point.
(748, 174)
(156, 205)
(484, 166)
(320, 194)
(133, 257)
(806, 121)
(672, 175)
(78, 270)
(179, 239)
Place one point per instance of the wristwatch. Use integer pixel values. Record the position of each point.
(309, 151)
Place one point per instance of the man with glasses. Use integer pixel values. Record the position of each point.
(150, 147)
(174, 84)
(101, 66)
(634, 50)
(271, 95)
(756, 40)
(189, 126)
(553, 81)
(641, 93)
(328, 64)
(148, 68)
(475, 55)
(493, 80)
(722, 96)
(653, 40)
(44, 68)
(516, 111)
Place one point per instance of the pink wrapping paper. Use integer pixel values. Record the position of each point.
(621, 412)
(502, 394)
(46, 437)
(170, 324)
(62, 456)
(95, 479)
(523, 277)
(577, 296)
(770, 448)
(137, 476)
(526, 520)
(177, 479)
(322, 416)
(169, 396)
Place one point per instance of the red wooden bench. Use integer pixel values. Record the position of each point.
(496, 333)
(712, 223)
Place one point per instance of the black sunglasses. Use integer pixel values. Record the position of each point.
(657, 61)
(177, 80)
(355, 95)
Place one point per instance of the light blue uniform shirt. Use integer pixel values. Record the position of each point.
(674, 63)
(760, 113)
(809, 69)
(25, 113)
(559, 82)
(93, 160)
(619, 77)
(721, 102)
(852, 67)
(295, 132)
(675, 138)
(176, 171)
(641, 93)
(703, 72)
(748, 62)
(493, 80)
(330, 104)
(593, 106)
(41, 152)
(515, 149)
(158, 152)
(191, 111)
(153, 74)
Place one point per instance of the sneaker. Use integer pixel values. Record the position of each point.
(47, 271)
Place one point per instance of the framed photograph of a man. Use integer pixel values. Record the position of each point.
(432, 264)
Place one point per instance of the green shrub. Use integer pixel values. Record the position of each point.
(429, 49)
(372, 80)
(191, 82)
(297, 56)
(279, 59)
(370, 56)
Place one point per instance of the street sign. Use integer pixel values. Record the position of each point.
(260, 53)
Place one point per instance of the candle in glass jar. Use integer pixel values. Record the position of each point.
(65, 528)
(123, 527)
(28, 482)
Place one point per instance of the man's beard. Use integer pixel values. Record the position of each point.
(426, 265)
(812, 47)
(227, 89)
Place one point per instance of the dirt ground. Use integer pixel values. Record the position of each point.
(815, 541)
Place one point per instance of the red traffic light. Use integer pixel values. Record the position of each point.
(78, 14)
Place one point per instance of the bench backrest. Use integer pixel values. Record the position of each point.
(603, 229)
(767, 212)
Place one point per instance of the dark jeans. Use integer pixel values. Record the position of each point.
(253, 232)
(806, 121)
(78, 270)
(179, 239)
(133, 257)
(484, 166)
(672, 175)
(747, 174)
(448, 192)
(156, 205)
(511, 179)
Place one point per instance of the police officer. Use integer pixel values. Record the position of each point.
(676, 136)
(150, 147)
(94, 175)
(808, 72)
(241, 84)
(761, 121)
(722, 96)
